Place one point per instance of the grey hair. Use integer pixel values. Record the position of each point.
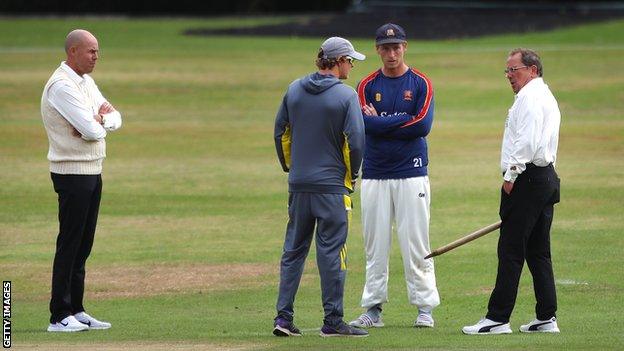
(529, 58)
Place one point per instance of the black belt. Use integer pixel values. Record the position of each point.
(532, 165)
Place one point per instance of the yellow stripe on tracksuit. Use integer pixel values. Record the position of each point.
(343, 258)
(346, 154)
(343, 250)
(286, 143)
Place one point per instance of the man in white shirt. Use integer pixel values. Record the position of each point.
(76, 117)
(530, 189)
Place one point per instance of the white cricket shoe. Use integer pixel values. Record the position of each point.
(366, 321)
(539, 326)
(424, 320)
(487, 326)
(68, 324)
(91, 322)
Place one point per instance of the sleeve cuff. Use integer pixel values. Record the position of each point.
(112, 121)
(511, 174)
(508, 178)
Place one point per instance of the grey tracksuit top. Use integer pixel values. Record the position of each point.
(319, 135)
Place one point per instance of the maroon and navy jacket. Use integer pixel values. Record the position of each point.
(396, 147)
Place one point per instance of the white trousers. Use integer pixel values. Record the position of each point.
(405, 201)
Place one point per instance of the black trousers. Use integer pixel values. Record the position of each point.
(79, 203)
(526, 216)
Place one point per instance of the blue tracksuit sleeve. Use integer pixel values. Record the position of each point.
(354, 137)
(381, 126)
(416, 127)
(282, 135)
(406, 118)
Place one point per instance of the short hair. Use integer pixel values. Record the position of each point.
(325, 63)
(76, 37)
(529, 58)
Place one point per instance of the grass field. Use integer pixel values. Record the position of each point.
(194, 204)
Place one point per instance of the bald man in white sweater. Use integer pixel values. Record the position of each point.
(76, 117)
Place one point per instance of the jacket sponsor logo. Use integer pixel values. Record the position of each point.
(384, 114)
(377, 97)
(407, 95)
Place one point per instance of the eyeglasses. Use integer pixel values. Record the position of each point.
(514, 69)
(349, 59)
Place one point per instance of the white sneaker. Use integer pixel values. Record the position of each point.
(487, 326)
(424, 320)
(91, 322)
(68, 324)
(366, 321)
(538, 326)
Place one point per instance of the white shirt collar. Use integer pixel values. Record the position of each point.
(71, 73)
(533, 84)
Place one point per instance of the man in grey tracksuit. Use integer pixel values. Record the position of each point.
(319, 138)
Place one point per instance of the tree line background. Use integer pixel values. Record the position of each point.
(156, 7)
(207, 8)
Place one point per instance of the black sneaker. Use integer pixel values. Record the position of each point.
(343, 330)
(284, 327)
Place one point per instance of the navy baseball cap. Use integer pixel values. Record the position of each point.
(390, 33)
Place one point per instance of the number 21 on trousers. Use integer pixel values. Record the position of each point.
(417, 162)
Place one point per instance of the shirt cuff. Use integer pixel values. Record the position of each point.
(112, 120)
(511, 174)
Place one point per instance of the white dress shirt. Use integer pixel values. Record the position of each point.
(71, 104)
(531, 130)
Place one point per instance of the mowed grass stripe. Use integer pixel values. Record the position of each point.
(194, 205)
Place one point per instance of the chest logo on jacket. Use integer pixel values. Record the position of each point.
(377, 97)
(407, 95)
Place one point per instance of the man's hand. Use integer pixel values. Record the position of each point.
(76, 133)
(98, 118)
(106, 108)
(508, 187)
(369, 110)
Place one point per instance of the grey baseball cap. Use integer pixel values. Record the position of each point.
(336, 47)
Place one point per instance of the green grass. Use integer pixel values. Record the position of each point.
(195, 201)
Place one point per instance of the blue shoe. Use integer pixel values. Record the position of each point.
(283, 327)
(343, 330)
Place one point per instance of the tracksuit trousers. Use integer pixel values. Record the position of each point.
(79, 204)
(526, 215)
(330, 214)
(405, 201)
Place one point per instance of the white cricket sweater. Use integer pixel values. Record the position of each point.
(70, 154)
